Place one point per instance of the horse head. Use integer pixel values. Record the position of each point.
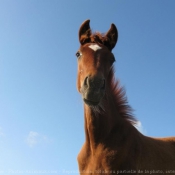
(95, 61)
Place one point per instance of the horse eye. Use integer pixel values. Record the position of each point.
(78, 54)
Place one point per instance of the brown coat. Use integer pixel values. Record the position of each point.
(112, 144)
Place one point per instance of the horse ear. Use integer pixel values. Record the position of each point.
(112, 36)
(84, 32)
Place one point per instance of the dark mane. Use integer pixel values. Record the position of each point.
(120, 99)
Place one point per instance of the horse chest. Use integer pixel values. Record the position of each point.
(98, 162)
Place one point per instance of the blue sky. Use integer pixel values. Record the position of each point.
(41, 112)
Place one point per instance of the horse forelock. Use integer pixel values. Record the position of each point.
(96, 37)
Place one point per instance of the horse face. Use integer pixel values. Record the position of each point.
(94, 63)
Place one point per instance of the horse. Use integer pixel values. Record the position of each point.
(113, 145)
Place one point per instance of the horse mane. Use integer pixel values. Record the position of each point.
(120, 99)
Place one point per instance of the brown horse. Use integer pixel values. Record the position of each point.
(112, 144)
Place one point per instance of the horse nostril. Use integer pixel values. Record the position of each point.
(85, 81)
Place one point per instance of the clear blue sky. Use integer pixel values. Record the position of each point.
(41, 112)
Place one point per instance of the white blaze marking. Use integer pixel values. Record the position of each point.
(94, 47)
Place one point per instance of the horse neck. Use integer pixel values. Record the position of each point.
(101, 124)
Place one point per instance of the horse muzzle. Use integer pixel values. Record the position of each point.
(93, 90)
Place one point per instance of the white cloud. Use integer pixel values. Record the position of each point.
(35, 138)
(140, 128)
